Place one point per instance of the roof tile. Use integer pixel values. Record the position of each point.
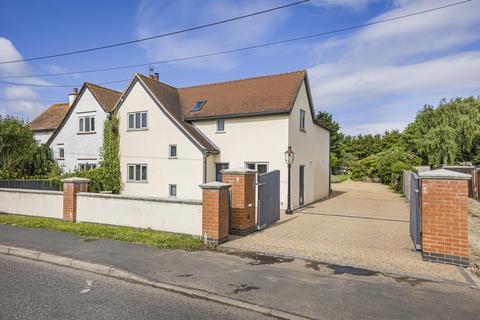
(51, 118)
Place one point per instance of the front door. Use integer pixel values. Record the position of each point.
(301, 185)
(218, 168)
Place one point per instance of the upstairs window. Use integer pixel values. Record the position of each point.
(198, 105)
(86, 124)
(137, 120)
(172, 190)
(137, 172)
(172, 153)
(302, 120)
(220, 125)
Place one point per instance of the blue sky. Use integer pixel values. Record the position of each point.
(371, 79)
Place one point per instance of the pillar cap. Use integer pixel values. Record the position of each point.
(215, 185)
(444, 174)
(75, 180)
(238, 171)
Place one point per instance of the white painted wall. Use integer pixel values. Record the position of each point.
(151, 147)
(32, 202)
(80, 147)
(311, 150)
(251, 139)
(158, 214)
(42, 136)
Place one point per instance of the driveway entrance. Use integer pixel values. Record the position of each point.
(361, 224)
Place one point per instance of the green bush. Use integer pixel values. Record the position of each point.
(386, 167)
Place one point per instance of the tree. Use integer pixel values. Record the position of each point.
(110, 153)
(336, 137)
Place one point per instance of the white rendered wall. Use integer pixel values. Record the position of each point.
(42, 136)
(311, 150)
(80, 147)
(151, 147)
(32, 202)
(158, 214)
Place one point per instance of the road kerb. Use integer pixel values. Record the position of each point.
(124, 275)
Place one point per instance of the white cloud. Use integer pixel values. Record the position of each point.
(373, 127)
(155, 17)
(414, 60)
(24, 109)
(350, 4)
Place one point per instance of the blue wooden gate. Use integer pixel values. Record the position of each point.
(415, 212)
(268, 205)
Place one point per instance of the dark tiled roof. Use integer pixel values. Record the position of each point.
(106, 97)
(267, 94)
(51, 118)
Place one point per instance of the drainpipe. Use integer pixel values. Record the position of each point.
(205, 155)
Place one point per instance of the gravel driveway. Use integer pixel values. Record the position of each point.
(362, 225)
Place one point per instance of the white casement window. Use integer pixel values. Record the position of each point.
(172, 151)
(220, 125)
(86, 166)
(137, 172)
(61, 153)
(172, 190)
(137, 120)
(86, 124)
(260, 167)
(302, 120)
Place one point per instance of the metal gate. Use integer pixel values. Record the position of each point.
(268, 203)
(415, 213)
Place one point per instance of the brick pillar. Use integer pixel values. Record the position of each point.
(71, 187)
(444, 208)
(243, 199)
(215, 212)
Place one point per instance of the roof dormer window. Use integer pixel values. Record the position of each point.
(198, 105)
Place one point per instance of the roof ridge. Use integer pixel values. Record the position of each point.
(157, 82)
(98, 86)
(243, 79)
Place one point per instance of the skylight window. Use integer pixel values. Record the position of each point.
(198, 105)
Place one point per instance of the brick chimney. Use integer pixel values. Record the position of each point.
(72, 96)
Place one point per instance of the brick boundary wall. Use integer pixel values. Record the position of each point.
(242, 199)
(444, 207)
(71, 187)
(215, 212)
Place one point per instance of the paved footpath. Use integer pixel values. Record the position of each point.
(300, 287)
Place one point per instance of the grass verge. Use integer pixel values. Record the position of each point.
(149, 237)
(340, 178)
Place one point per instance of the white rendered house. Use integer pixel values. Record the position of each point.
(77, 141)
(173, 139)
(45, 124)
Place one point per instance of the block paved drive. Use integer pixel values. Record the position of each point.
(363, 225)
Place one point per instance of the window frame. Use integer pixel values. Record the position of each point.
(170, 148)
(255, 164)
(86, 166)
(303, 115)
(139, 118)
(84, 122)
(200, 104)
(143, 168)
(170, 186)
(218, 127)
(61, 153)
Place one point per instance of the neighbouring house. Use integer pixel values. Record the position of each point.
(77, 141)
(173, 139)
(48, 121)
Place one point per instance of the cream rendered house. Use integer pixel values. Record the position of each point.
(77, 141)
(173, 139)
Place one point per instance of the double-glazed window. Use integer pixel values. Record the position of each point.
(220, 125)
(61, 153)
(261, 168)
(302, 120)
(137, 172)
(86, 166)
(137, 120)
(172, 151)
(172, 190)
(86, 124)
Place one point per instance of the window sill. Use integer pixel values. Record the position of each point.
(90, 132)
(60, 158)
(173, 158)
(303, 130)
(140, 129)
(220, 132)
(134, 181)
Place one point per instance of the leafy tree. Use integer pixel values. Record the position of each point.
(336, 137)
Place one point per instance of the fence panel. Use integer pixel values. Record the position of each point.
(406, 184)
(44, 185)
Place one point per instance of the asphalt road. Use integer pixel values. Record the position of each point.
(35, 290)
